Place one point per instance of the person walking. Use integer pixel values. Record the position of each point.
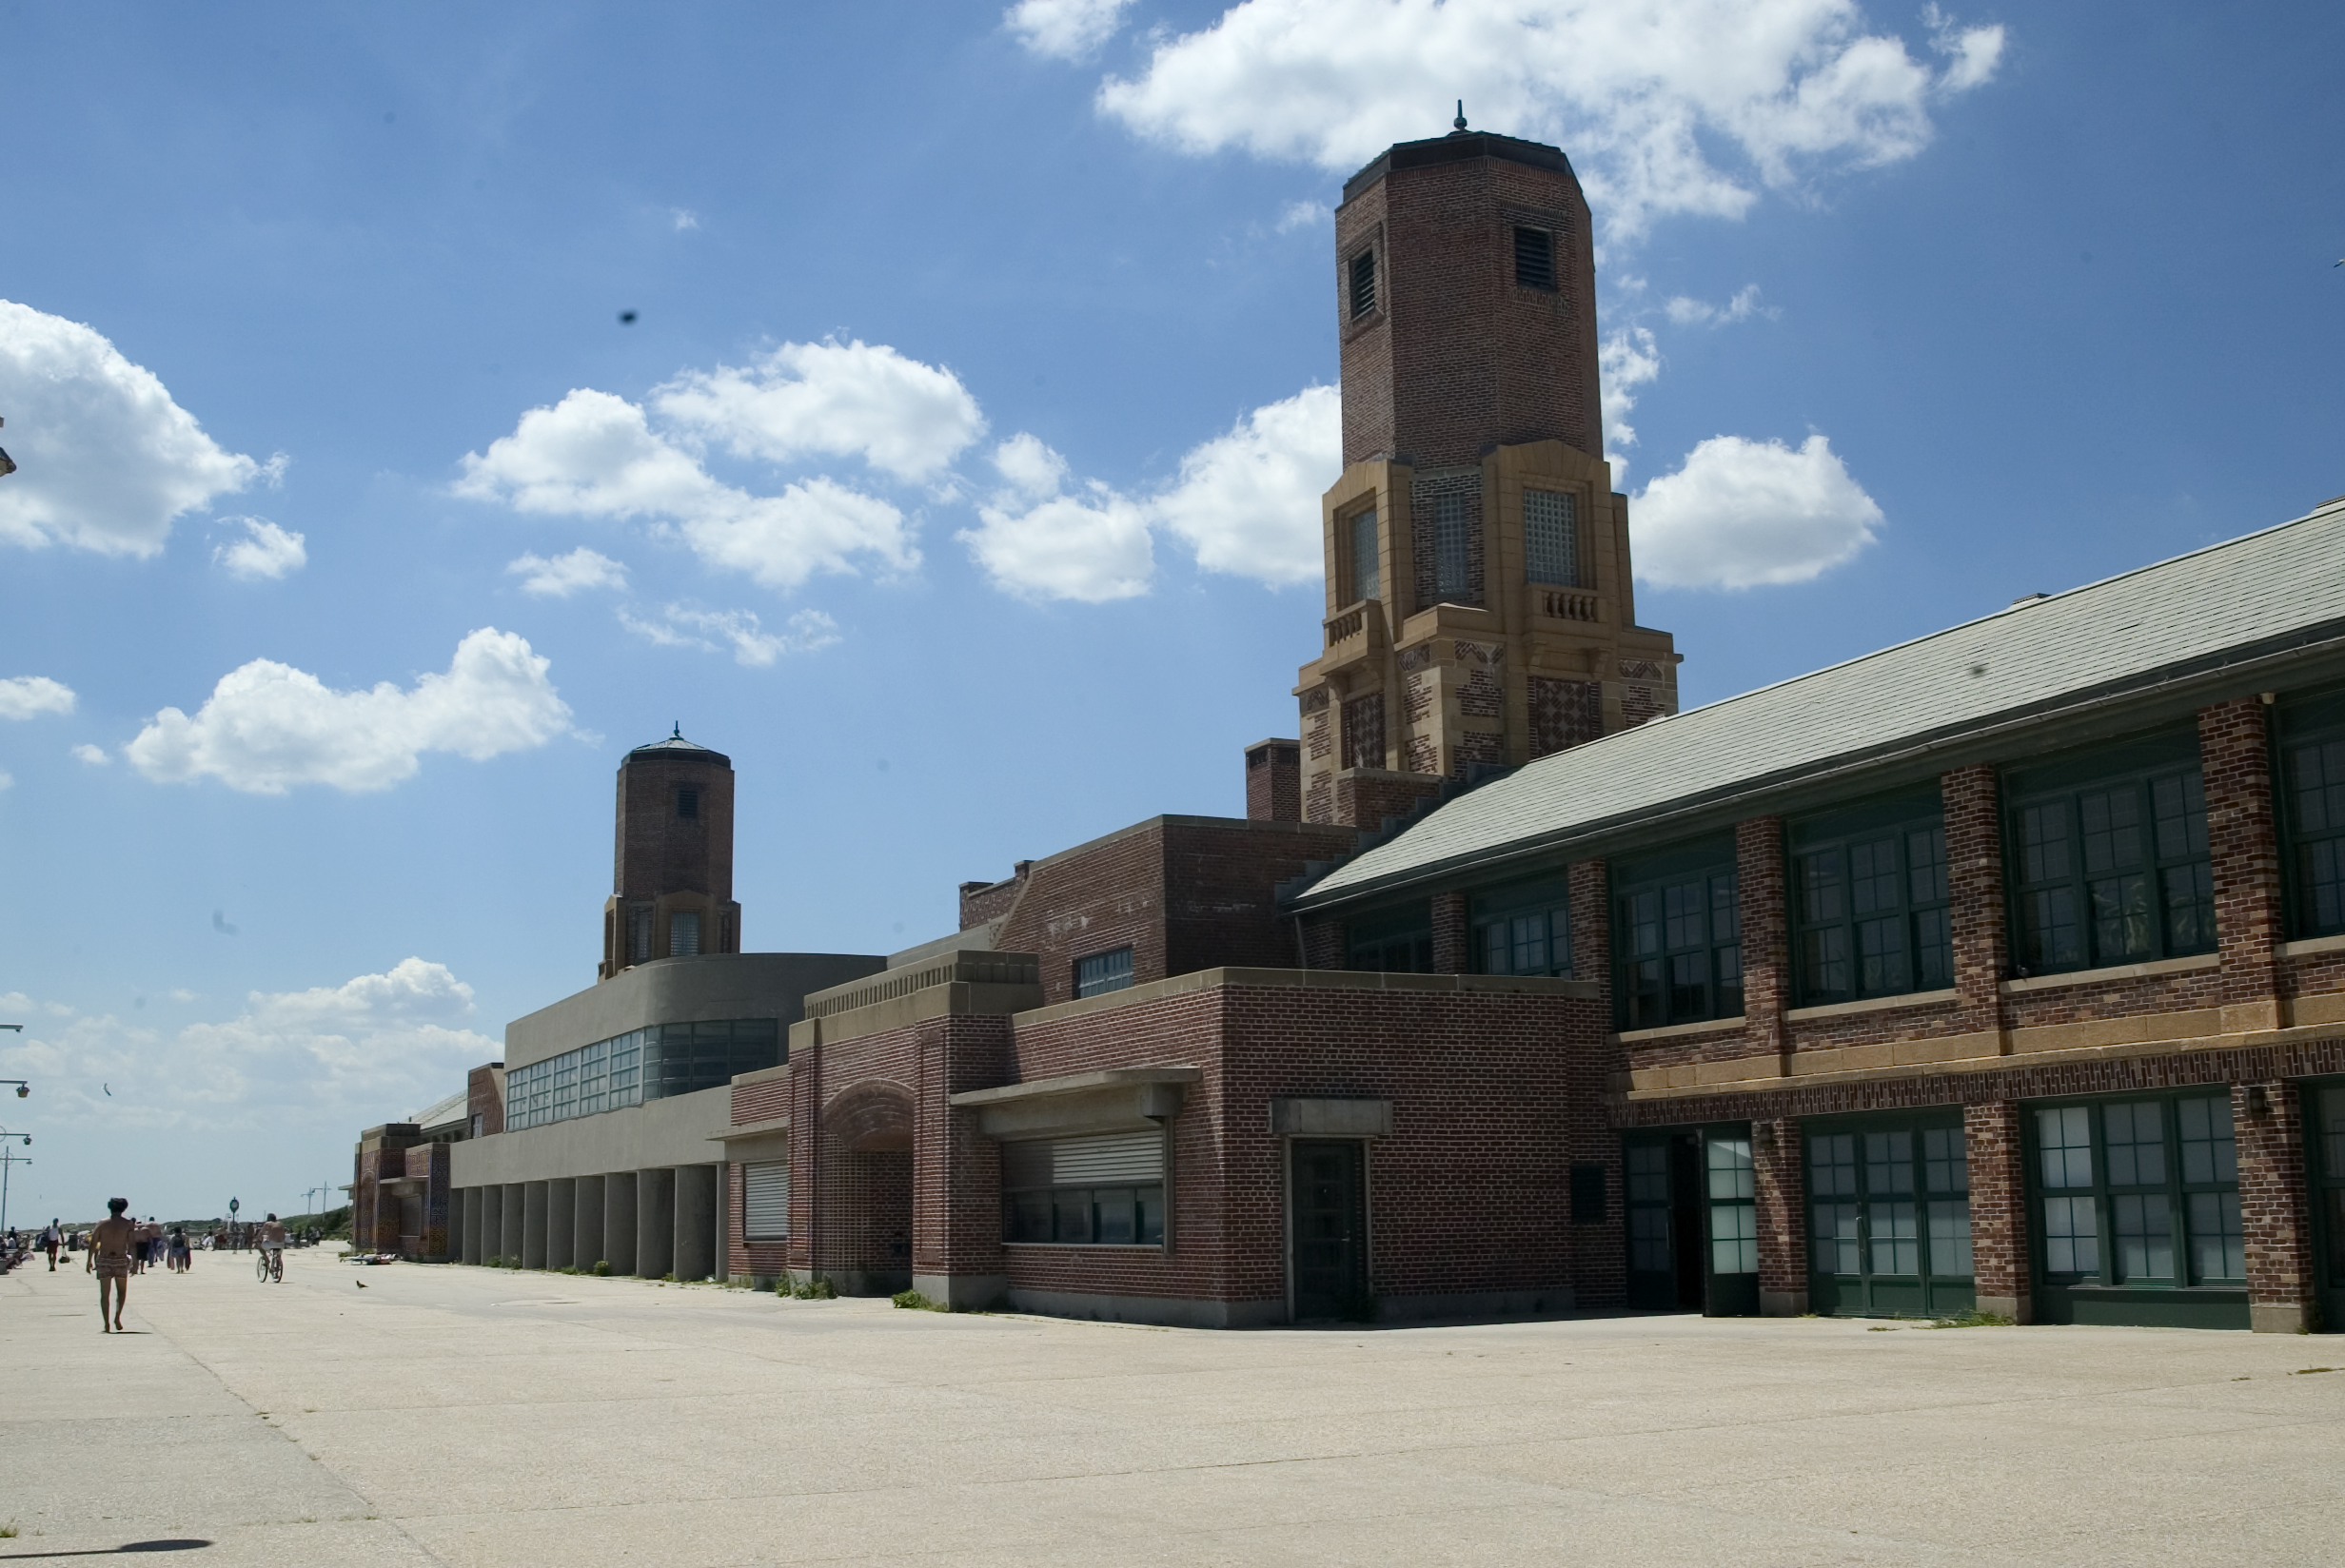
(52, 1238)
(180, 1256)
(111, 1243)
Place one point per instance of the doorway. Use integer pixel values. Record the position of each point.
(1326, 1229)
(1693, 1232)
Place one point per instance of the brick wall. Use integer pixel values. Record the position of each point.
(2234, 758)
(1454, 946)
(1991, 1137)
(1275, 781)
(2267, 1118)
(1782, 1215)
(1766, 953)
(484, 1099)
(1363, 799)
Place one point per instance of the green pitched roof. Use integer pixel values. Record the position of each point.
(2203, 612)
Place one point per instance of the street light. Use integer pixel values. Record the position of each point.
(8, 1162)
(23, 1088)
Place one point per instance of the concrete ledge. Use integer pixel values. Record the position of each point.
(955, 999)
(2015, 1308)
(1679, 1032)
(2279, 1317)
(1332, 1118)
(2150, 971)
(1874, 1004)
(1451, 1307)
(1783, 1304)
(2313, 945)
(1170, 1311)
(1113, 1099)
(963, 1292)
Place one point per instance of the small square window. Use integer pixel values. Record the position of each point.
(1534, 259)
(688, 803)
(1103, 973)
(1363, 282)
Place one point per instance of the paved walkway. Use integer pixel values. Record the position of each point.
(469, 1416)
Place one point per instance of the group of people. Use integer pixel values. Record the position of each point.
(120, 1246)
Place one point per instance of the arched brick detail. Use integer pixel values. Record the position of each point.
(871, 1117)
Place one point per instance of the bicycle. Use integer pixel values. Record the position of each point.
(268, 1266)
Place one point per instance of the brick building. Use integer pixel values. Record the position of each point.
(2003, 969)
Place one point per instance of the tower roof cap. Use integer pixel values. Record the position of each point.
(1454, 148)
(678, 747)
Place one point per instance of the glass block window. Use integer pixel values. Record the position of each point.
(2312, 802)
(1362, 529)
(1103, 973)
(1871, 904)
(683, 934)
(638, 933)
(1363, 283)
(765, 1201)
(688, 804)
(1452, 549)
(2109, 858)
(1677, 939)
(1523, 930)
(1103, 1190)
(1551, 538)
(2140, 1191)
(1734, 1211)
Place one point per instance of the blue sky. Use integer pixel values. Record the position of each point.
(957, 474)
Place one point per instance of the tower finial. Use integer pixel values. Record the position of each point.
(677, 732)
(1460, 121)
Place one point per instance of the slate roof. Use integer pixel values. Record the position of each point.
(677, 743)
(456, 1107)
(2211, 608)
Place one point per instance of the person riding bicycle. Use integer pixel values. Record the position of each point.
(272, 1247)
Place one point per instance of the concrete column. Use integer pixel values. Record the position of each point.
(460, 1224)
(510, 1247)
(655, 1222)
(722, 1175)
(561, 1222)
(587, 1231)
(533, 1225)
(619, 1191)
(696, 1222)
(492, 1220)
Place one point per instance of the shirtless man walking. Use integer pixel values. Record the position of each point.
(109, 1259)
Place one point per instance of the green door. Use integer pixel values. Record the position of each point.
(2325, 1166)
(1328, 1231)
(1889, 1217)
(1693, 1230)
(1730, 1218)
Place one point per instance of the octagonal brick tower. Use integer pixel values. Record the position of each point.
(672, 872)
(1479, 605)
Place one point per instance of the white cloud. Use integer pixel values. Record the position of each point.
(266, 552)
(1296, 215)
(1037, 542)
(105, 458)
(1065, 29)
(268, 726)
(354, 1053)
(1739, 514)
(1626, 359)
(8, 780)
(1248, 502)
(594, 455)
(94, 755)
(851, 400)
(683, 218)
(28, 696)
(561, 576)
(678, 626)
(1643, 92)
(1686, 311)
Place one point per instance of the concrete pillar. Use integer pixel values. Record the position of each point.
(561, 1222)
(619, 1191)
(534, 1197)
(655, 1222)
(722, 1175)
(696, 1222)
(587, 1231)
(492, 1220)
(466, 1217)
(510, 1246)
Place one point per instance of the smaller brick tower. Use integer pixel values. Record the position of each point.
(1480, 607)
(673, 877)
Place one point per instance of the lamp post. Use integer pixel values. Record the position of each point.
(7, 1162)
(23, 1088)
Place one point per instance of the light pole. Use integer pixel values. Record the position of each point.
(23, 1088)
(7, 1162)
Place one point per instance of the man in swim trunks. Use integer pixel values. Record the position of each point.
(109, 1259)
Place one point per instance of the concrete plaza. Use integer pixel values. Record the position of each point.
(467, 1416)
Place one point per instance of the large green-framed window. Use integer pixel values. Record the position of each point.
(2137, 1207)
(1871, 910)
(2311, 780)
(1524, 930)
(1888, 1226)
(2325, 1166)
(1677, 955)
(2108, 856)
(1397, 944)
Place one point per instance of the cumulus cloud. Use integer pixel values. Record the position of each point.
(559, 576)
(1741, 514)
(1248, 502)
(683, 218)
(1296, 215)
(680, 626)
(835, 399)
(268, 726)
(1037, 541)
(594, 454)
(1686, 311)
(1644, 93)
(106, 460)
(93, 755)
(1065, 29)
(266, 551)
(1628, 360)
(28, 696)
(352, 1054)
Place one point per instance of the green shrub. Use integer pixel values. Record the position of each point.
(913, 1300)
(815, 1289)
(1975, 1319)
(602, 1268)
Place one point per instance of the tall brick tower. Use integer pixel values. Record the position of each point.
(673, 878)
(1479, 604)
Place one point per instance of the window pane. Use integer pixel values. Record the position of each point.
(1946, 1160)
(1730, 1167)
(1118, 1217)
(1029, 1217)
(1364, 584)
(1648, 1174)
(2316, 782)
(2178, 805)
(1551, 538)
(2071, 1239)
(1689, 988)
(1559, 940)
(1925, 866)
(1451, 562)
(1683, 907)
(2111, 820)
(1497, 952)
(1824, 892)
(1888, 1164)
(2048, 932)
(1149, 1204)
(1648, 1240)
(1950, 1236)
(1823, 961)
(1874, 876)
(1725, 919)
(1103, 973)
(2143, 1235)
(1933, 950)
(1832, 1238)
(2208, 1152)
(2064, 1138)
(1070, 1215)
(1832, 1165)
(1727, 962)
(2043, 843)
(2321, 869)
(2218, 1245)
(2332, 1132)
(1645, 993)
(1734, 1238)
(2120, 917)
(1530, 943)
(1881, 948)
(2190, 908)
(1896, 1248)
(2136, 1135)
(1644, 923)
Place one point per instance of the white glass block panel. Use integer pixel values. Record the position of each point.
(1364, 557)
(1729, 1167)
(683, 934)
(2064, 1137)
(1550, 538)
